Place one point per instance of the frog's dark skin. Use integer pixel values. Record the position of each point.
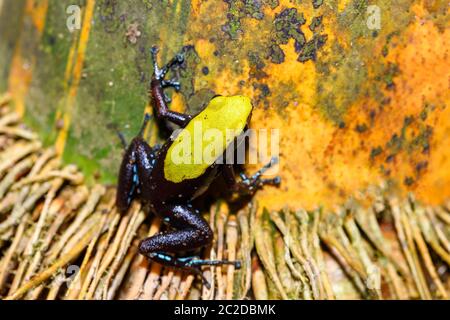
(142, 173)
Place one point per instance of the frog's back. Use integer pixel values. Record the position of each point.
(206, 137)
(186, 164)
(160, 190)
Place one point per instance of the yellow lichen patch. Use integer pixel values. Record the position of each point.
(417, 110)
(321, 164)
(206, 137)
(425, 62)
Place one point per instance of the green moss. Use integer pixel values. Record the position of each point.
(361, 128)
(422, 140)
(340, 83)
(316, 23)
(309, 50)
(148, 4)
(109, 15)
(48, 90)
(196, 98)
(375, 152)
(395, 144)
(187, 76)
(262, 92)
(275, 53)
(401, 142)
(391, 71)
(317, 3)
(425, 110)
(114, 89)
(256, 65)
(385, 50)
(424, 115)
(344, 70)
(410, 145)
(237, 10)
(286, 26)
(409, 181)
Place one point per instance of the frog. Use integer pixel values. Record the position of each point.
(168, 187)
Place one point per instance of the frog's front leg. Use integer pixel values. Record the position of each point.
(157, 86)
(191, 232)
(249, 185)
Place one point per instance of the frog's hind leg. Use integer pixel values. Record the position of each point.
(191, 232)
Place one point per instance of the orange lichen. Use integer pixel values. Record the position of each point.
(368, 106)
(322, 164)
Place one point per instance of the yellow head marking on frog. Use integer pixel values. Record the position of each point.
(206, 137)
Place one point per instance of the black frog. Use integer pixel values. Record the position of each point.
(169, 185)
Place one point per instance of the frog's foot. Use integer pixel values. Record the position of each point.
(194, 263)
(160, 73)
(190, 231)
(197, 262)
(249, 185)
(171, 83)
(191, 264)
